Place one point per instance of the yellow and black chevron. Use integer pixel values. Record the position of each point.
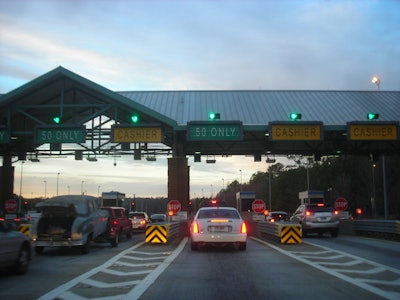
(291, 234)
(157, 234)
(24, 228)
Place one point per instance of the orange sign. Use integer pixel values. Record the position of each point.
(137, 135)
(295, 132)
(370, 132)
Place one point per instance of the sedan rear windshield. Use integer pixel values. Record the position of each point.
(218, 213)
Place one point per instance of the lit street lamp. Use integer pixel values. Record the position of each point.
(376, 80)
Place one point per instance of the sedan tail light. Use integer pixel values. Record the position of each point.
(243, 228)
(309, 213)
(196, 228)
(336, 212)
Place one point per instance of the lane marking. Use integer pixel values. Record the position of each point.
(138, 290)
(365, 284)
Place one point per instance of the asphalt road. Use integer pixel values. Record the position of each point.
(319, 268)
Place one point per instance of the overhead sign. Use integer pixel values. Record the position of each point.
(174, 206)
(299, 131)
(341, 204)
(372, 131)
(258, 206)
(136, 134)
(57, 134)
(4, 136)
(11, 206)
(215, 131)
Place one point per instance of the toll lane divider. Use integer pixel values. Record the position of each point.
(284, 232)
(25, 229)
(161, 233)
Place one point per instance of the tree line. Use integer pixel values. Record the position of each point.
(358, 179)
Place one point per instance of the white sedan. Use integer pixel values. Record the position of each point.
(218, 226)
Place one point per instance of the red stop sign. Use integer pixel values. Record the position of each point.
(174, 206)
(341, 204)
(11, 205)
(258, 206)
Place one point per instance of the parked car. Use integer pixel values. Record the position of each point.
(317, 218)
(139, 220)
(218, 226)
(69, 221)
(277, 216)
(118, 224)
(15, 248)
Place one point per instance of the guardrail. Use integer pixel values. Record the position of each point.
(161, 233)
(388, 229)
(285, 232)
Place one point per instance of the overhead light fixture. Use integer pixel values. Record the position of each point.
(151, 158)
(210, 160)
(90, 158)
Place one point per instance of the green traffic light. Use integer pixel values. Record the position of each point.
(372, 116)
(57, 120)
(135, 118)
(214, 116)
(295, 116)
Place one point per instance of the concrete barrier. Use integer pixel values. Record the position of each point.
(284, 232)
(161, 233)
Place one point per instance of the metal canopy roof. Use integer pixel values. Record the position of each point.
(79, 101)
(255, 107)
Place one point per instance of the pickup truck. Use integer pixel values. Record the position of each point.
(69, 221)
(118, 224)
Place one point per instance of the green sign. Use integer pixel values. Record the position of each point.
(57, 134)
(4, 136)
(215, 131)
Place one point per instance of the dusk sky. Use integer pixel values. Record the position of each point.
(191, 45)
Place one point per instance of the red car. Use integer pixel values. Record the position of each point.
(118, 224)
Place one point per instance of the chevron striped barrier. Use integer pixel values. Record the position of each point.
(285, 232)
(25, 229)
(161, 233)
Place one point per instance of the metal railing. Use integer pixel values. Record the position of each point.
(379, 228)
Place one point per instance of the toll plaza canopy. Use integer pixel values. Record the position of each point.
(63, 113)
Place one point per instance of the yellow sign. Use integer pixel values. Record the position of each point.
(137, 135)
(295, 132)
(369, 132)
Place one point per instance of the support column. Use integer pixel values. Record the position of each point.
(6, 181)
(178, 181)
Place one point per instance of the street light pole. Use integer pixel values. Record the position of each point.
(82, 187)
(20, 187)
(45, 189)
(241, 180)
(58, 175)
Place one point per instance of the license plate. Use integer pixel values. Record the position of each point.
(219, 228)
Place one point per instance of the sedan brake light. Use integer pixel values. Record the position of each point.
(336, 212)
(309, 213)
(243, 228)
(196, 228)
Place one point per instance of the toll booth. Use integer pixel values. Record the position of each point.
(244, 201)
(311, 197)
